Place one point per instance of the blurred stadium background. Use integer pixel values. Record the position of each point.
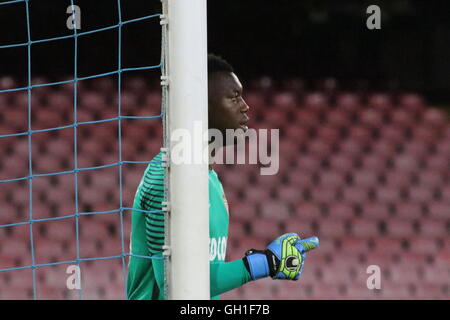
(364, 154)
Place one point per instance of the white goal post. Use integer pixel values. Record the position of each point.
(185, 105)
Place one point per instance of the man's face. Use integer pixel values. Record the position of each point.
(227, 108)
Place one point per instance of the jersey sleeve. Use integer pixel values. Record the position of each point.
(151, 196)
(226, 276)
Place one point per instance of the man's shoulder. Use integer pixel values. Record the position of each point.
(155, 164)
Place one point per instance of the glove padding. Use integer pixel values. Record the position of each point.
(284, 257)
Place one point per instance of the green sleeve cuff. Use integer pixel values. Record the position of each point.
(226, 276)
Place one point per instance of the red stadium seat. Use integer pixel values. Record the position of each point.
(402, 118)
(327, 246)
(152, 105)
(397, 179)
(303, 227)
(233, 179)
(91, 100)
(243, 211)
(401, 228)
(309, 162)
(383, 148)
(433, 228)
(363, 227)
(257, 193)
(403, 273)
(89, 248)
(288, 194)
(406, 163)
(439, 210)
(275, 118)
(408, 210)
(323, 291)
(388, 194)
(332, 227)
(433, 291)
(255, 98)
(49, 293)
(61, 230)
(293, 290)
(388, 245)
(420, 194)
(237, 229)
(392, 133)
(422, 245)
(413, 258)
(50, 250)
(341, 210)
(332, 178)
(371, 117)
(380, 101)
(355, 194)
(365, 178)
(374, 162)
(443, 147)
(437, 162)
(306, 118)
(337, 118)
(275, 210)
(315, 101)
(351, 146)
(348, 101)
(13, 167)
(360, 134)
(260, 290)
(395, 291)
(342, 162)
(250, 242)
(411, 102)
(301, 177)
(323, 194)
(296, 134)
(354, 245)
(416, 148)
(375, 210)
(436, 274)
(308, 210)
(328, 134)
(235, 294)
(263, 228)
(423, 134)
(93, 230)
(284, 100)
(432, 178)
(319, 147)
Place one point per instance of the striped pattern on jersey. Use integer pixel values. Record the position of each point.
(150, 196)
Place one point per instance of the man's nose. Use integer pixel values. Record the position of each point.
(245, 107)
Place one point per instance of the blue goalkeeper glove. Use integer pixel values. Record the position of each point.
(283, 259)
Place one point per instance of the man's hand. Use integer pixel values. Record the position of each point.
(284, 258)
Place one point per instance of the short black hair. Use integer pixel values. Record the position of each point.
(218, 64)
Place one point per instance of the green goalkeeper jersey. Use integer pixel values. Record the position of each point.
(146, 276)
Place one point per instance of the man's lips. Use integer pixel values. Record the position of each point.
(244, 122)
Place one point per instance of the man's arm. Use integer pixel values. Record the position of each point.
(226, 276)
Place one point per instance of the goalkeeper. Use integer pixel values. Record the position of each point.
(283, 259)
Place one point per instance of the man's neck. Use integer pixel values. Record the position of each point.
(211, 158)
